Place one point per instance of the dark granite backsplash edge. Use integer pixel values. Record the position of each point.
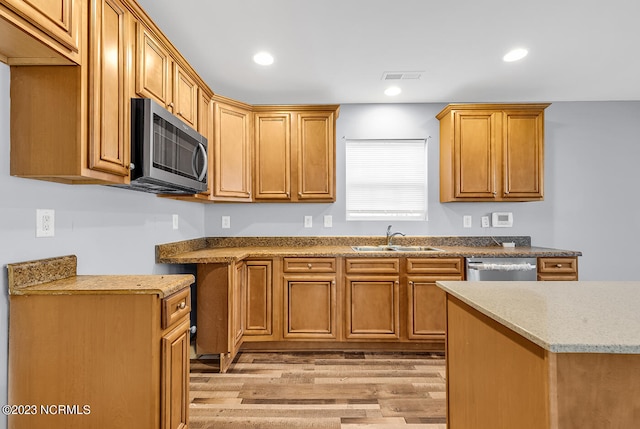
(30, 273)
(170, 249)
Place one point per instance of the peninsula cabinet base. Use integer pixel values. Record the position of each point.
(435, 346)
(497, 379)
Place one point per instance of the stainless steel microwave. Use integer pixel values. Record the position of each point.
(167, 155)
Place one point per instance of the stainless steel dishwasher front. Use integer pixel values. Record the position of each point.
(501, 269)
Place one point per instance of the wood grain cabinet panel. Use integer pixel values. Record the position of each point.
(59, 19)
(153, 67)
(492, 152)
(185, 96)
(105, 351)
(558, 269)
(78, 129)
(294, 153)
(231, 151)
(373, 307)
(259, 311)
(310, 306)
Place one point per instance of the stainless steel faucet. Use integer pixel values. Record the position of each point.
(390, 235)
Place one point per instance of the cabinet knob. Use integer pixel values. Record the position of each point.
(309, 266)
(182, 305)
(333, 282)
(559, 265)
(397, 282)
(170, 105)
(410, 283)
(495, 193)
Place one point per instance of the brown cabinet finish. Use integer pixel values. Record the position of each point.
(492, 152)
(70, 124)
(108, 352)
(259, 303)
(231, 151)
(310, 306)
(426, 316)
(558, 269)
(294, 153)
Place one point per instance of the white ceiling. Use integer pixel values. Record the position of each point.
(336, 51)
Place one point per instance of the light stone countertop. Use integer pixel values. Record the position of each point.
(561, 317)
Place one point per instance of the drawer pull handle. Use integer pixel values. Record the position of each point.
(182, 305)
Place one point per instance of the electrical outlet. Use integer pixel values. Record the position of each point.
(308, 221)
(226, 222)
(175, 221)
(45, 223)
(485, 221)
(466, 221)
(328, 221)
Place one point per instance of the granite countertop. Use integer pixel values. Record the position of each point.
(561, 317)
(231, 249)
(57, 276)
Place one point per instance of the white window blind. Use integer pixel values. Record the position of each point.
(386, 179)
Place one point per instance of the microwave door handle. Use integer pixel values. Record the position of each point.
(203, 173)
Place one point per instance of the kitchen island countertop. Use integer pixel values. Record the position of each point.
(561, 317)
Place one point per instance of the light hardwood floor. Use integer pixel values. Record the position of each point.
(324, 390)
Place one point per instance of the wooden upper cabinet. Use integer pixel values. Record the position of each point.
(295, 153)
(108, 95)
(316, 156)
(153, 67)
(272, 169)
(160, 77)
(58, 19)
(231, 151)
(78, 130)
(492, 152)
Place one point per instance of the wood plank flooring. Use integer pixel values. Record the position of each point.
(324, 390)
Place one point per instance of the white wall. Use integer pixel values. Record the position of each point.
(591, 187)
(112, 231)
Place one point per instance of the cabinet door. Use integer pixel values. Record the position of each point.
(310, 307)
(316, 156)
(522, 154)
(272, 171)
(153, 67)
(238, 307)
(475, 154)
(259, 298)
(232, 153)
(373, 307)
(427, 307)
(185, 96)
(109, 112)
(175, 378)
(60, 19)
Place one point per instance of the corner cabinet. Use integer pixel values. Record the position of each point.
(70, 124)
(113, 360)
(294, 153)
(492, 152)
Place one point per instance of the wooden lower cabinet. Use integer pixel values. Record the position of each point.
(310, 298)
(372, 299)
(110, 360)
(558, 269)
(259, 298)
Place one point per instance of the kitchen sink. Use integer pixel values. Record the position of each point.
(395, 248)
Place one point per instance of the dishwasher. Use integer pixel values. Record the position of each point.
(501, 269)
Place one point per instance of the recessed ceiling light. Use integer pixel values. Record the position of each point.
(515, 55)
(392, 90)
(263, 58)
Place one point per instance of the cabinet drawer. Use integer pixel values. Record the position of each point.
(435, 265)
(373, 265)
(175, 307)
(309, 265)
(558, 265)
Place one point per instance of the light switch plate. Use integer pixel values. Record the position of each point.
(485, 221)
(466, 221)
(308, 221)
(226, 222)
(174, 219)
(328, 221)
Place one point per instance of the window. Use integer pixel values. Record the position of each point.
(386, 179)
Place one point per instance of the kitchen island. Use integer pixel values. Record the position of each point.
(557, 355)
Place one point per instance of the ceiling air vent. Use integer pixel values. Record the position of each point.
(399, 75)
